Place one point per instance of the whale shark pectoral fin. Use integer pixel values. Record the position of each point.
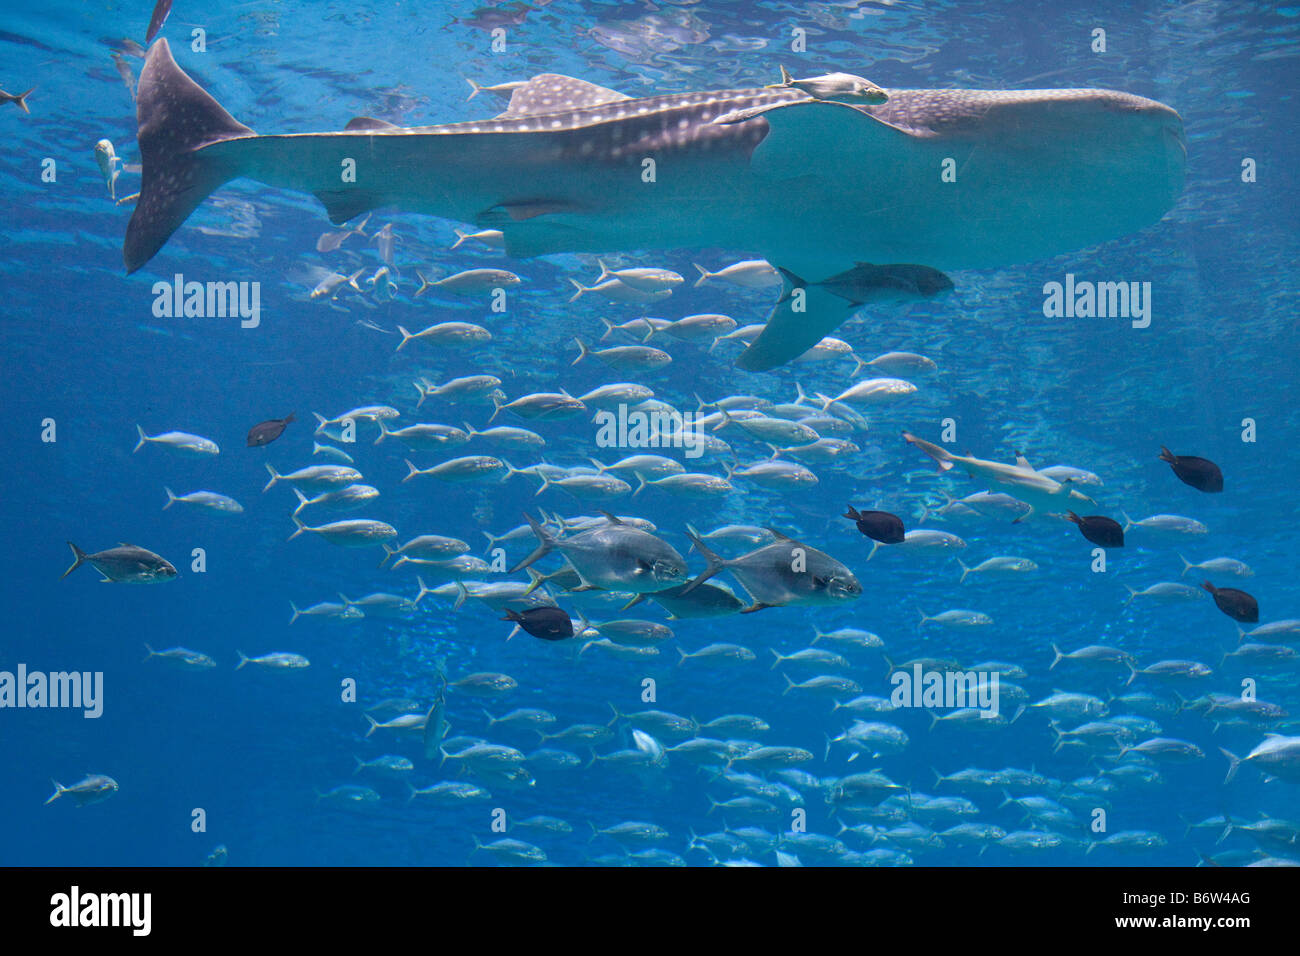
(341, 205)
(807, 134)
(534, 227)
(803, 317)
(809, 311)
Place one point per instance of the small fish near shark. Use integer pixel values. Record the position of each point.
(820, 176)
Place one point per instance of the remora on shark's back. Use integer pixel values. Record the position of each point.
(817, 187)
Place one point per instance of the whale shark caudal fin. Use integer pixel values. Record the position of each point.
(190, 146)
(176, 119)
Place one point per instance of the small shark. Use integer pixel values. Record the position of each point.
(1020, 480)
(925, 179)
(18, 99)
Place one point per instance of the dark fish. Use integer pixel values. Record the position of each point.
(878, 525)
(1099, 529)
(547, 623)
(160, 11)
(1238, 605)
(268, 431)
(1201, 473)
(126, 563)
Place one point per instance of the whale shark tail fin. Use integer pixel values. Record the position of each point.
(177, 121)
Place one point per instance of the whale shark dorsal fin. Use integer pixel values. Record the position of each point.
(368, 122)
(555, 93)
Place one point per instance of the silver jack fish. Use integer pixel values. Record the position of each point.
(92, 789)
(613, 555)
(780, 573)
(124, 564)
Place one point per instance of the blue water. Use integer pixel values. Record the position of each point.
(250, 746)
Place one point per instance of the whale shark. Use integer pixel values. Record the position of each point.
(926, 179)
